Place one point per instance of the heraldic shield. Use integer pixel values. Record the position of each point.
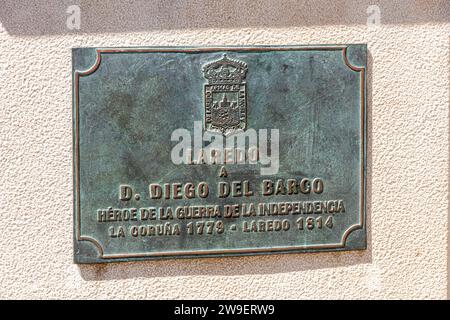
(225, 96)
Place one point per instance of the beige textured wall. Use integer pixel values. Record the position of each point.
(408, 149)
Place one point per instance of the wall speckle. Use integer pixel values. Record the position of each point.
(408, 151)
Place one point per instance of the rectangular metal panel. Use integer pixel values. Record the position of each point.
(187, 152)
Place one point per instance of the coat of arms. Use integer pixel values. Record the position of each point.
(225, 95)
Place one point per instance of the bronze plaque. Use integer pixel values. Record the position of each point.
(215, 151)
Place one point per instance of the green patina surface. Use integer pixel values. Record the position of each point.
(128, 102)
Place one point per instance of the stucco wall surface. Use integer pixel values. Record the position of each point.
(408, 148)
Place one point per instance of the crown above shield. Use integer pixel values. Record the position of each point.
(225, 71)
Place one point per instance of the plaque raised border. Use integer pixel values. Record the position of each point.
(102, 257)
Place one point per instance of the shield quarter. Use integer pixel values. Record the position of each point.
(225, 96)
